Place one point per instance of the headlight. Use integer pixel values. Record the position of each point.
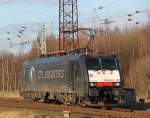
(116, 84)
(92, 84)
(91, 75)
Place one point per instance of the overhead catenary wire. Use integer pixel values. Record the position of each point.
(27, 41)
(110, 21)
(22, 35)
(90, 20)
(116, 19)
(136, 13)
(104, 6)
(92, 11)
(6, 1)
(133, 14)
(82, 19)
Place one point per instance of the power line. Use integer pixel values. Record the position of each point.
(109, 20)
(7, 2)
(103, 6)
(136, 13)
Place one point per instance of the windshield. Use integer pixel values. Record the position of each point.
(108, 63)
(93, 63)
(101, 63)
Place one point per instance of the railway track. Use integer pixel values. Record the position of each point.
(19, 103)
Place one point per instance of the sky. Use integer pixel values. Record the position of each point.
(14, 14)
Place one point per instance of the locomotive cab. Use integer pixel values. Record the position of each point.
(105, 80)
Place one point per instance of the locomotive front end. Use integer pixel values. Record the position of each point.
(105, 80)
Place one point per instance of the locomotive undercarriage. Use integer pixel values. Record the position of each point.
(96, 97)
(105, 96)
(66, 98)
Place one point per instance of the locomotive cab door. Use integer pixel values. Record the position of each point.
(77, 79)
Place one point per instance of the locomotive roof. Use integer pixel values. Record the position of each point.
(66, 58)
(54, 59)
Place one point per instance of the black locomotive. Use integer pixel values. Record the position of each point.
(76, 79)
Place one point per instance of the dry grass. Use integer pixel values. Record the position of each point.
(139, 76)
(28, 113)
(9, 95)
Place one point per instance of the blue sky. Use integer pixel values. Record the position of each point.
(30, 13)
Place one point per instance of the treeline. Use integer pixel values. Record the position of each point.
(131, 46)
(10, 71)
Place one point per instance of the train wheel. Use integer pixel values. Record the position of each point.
(81, 102)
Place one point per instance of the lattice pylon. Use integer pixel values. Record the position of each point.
(68, 25)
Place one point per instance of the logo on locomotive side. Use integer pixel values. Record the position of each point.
(51, 74)
(32, 73)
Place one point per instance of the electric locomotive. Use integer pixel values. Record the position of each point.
(93, 80)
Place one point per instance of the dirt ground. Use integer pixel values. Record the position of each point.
(143, 114)
(28, 113)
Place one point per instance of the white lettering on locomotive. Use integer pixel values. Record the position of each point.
(32, 73)
(51, 74)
